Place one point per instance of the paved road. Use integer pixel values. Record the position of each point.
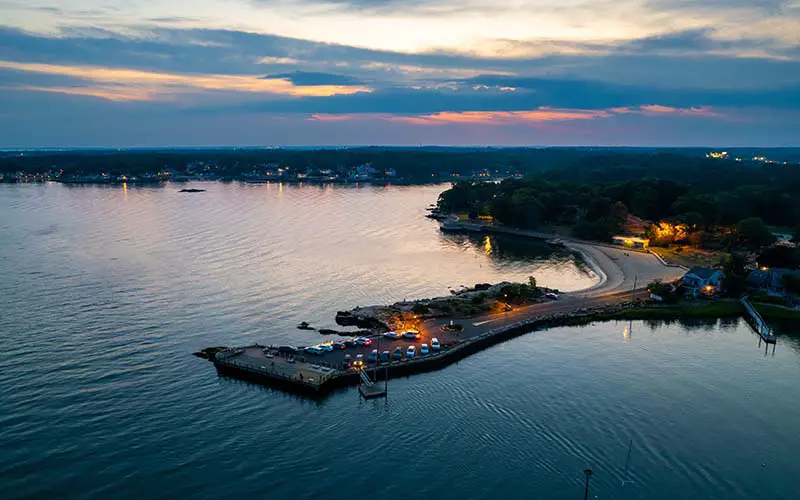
(618, 269)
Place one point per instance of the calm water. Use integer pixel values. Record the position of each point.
(106, 291)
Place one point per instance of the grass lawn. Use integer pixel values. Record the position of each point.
(717, 309)
(776, 312)
(689, 256)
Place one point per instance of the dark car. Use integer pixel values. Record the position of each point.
(339, 345)
(287, 349)
(351, 342)
(398, 353)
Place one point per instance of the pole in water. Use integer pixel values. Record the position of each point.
(627, 464)
(588, 474)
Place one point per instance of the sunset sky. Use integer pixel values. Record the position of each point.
(121, 73)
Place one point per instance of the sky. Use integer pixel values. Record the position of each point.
(154, 73)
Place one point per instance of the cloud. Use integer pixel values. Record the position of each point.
(686, 76)
(308, 78)
(523, 117)
(167, 85)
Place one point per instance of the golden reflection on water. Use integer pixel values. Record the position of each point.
(487, 245)
(125, 191)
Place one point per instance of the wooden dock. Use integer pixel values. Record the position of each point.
(759, 325)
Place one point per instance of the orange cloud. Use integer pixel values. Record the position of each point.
(543, 114)
(505, 118)
(165, 85)
(657, 109)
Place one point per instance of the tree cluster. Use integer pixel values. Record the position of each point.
(698, 201)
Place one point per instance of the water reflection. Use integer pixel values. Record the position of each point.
(511, 248)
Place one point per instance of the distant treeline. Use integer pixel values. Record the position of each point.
(413, 164)
(595, 195)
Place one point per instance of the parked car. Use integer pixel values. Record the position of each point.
(326, 347)
(398, 354)
(313, 349)
(423, 349)
(363, 341)
(411, 352)
(552, 296)
(350, 342)
(391, 335)
(385, 356)
(339, 345)
(287, 349)
(359, 362)
(348, 360)
(373, 356)
(411, 335)
(435, 346)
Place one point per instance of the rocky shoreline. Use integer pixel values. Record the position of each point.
(480, 299)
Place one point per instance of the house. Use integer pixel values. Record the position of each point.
(631, 241)
(772, 281)
(702, 281)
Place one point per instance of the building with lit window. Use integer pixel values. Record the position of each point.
(702, 281)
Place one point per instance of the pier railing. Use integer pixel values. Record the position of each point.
(761, 326)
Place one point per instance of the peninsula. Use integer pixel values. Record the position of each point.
(621, 279)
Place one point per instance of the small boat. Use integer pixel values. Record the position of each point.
(304, 326)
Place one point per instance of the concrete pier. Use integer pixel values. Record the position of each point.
(315, 375)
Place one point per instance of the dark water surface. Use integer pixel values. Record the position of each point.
(106, 291)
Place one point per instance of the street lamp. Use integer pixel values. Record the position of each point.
(588, 474)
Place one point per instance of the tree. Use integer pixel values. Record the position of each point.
(419, 309)
(663, 290)
(526, 208)
(599, 208)
(754, 233)
(694, 221)
(705, 205)
(780, 256)
(735, 280)
(734, 264)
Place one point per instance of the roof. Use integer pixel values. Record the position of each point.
(632, 238)
(780, 272)
(703, 272)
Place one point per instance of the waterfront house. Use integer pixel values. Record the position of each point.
(702, 281)
(772, 281)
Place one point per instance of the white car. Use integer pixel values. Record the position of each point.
(411, 335)
(411, 352)
(552, 296)
(435, 345)
(391, 335)
(326, 347)
(423, 349)
(313, 349)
